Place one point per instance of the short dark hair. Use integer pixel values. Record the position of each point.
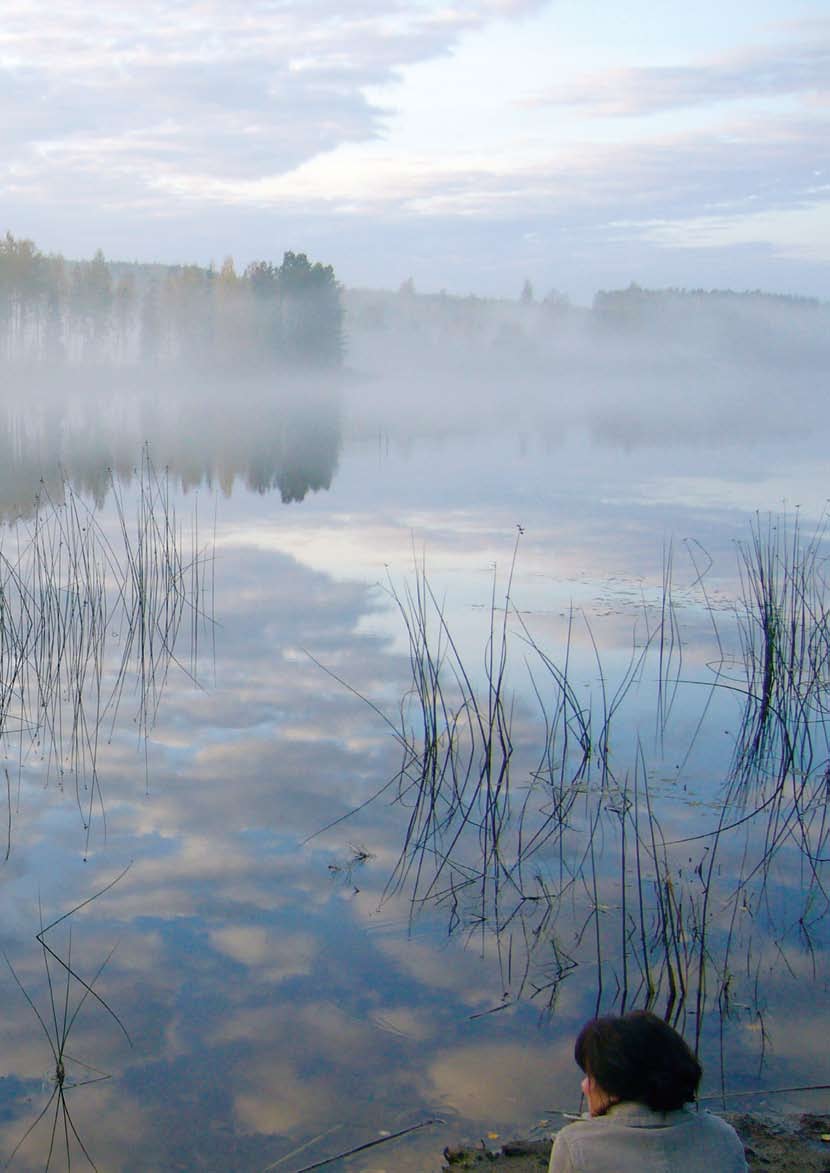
(638, 1056)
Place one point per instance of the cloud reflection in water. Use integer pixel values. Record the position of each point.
(269, 1000)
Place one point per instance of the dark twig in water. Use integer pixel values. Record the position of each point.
(767, 1091)
(9, 830)
(370, 1144)
(87, 986)
(301, 1148)
(57, 1034)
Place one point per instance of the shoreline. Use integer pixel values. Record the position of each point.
(774, 1142)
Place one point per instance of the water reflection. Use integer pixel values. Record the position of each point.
(282, 437)
(586, 861)
(269, 1000)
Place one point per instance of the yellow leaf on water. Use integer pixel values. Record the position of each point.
(825, 1136)
(492, 1136)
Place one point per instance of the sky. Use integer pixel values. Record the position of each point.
(467, 144)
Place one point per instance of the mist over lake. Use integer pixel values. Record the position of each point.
(372, 724)
(414, 569)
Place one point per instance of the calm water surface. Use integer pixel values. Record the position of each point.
(280, 998)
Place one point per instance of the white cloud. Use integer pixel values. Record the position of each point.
(395, 138)
(199, 89)
(797, 233)
(799, 68)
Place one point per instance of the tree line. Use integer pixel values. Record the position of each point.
(56, 311)
(636, 304)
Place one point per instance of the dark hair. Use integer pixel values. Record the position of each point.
(639, 1057)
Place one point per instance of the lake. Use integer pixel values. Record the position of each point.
(375, 734)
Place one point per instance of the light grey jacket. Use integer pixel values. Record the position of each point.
(631, 1138)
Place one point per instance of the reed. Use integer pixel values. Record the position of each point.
(577, 840)
(70, 597)
(56, 1024)
(457, 746)
(784, 627)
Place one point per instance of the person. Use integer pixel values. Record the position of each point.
(640, 1075)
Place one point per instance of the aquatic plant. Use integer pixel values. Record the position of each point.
(57, 1025)
(521, 854)
(70, 596)
(783, 616)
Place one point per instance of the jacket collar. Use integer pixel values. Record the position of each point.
(639, 1116)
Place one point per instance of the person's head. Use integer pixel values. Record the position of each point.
(638, 1057)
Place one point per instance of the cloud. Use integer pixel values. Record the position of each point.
(750, 164)
(194, 131)
(801, 231)
(155, 95)
(517, 1085)
(273, 959)
(802, 68)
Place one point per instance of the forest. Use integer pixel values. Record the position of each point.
(57, 312)
(113, 314)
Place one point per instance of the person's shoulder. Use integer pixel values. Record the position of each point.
(622, 1138)
(562, 1157)
(570, 1142)
(720, 1134)
(715, 1124)
(576, 1128)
